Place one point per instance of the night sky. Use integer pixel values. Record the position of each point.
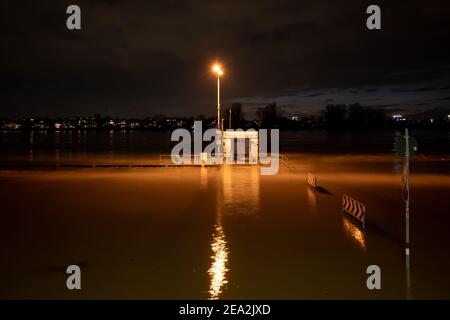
(141, 58)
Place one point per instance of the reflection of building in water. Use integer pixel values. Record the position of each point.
(203, 178)
(353, 232)
(240, 190)
(237, 193)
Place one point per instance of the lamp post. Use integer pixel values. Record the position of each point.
(218, 70)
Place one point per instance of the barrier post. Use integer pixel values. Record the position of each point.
(311, 179)
(407, 249)
(354, 208)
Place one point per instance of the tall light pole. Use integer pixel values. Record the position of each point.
(218, 70)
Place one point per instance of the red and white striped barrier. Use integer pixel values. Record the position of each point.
(354, 208)
(311, 179)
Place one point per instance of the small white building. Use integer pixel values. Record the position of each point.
(241, 143)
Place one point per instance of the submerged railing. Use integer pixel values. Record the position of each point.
(196, 159)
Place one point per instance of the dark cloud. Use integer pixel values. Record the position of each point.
(390, 105)
(443, 99)
(139, 58)
(315, 94)
(422, 89)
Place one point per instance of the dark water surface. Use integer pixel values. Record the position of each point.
(121, 143)
(228, 232)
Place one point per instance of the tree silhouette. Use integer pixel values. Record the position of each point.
(353, 116)
(270, 116)
(365, 117)
(335, 116)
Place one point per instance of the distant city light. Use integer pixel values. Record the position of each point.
(398, 117)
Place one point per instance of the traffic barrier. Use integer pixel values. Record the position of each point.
(311, 179)
(354, 208)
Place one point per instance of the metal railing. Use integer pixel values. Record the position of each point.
(166, 159)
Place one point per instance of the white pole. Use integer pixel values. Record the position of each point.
(407, 249)
(218, 100)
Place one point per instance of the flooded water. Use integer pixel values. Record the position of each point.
(117, 146)
(223, 233)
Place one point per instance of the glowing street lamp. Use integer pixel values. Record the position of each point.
(218, 70)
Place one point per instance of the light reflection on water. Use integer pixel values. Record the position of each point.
(238, 192)
(241, 190)
(353, 232)
(218, 270)
(203, 179)
(312, 200)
